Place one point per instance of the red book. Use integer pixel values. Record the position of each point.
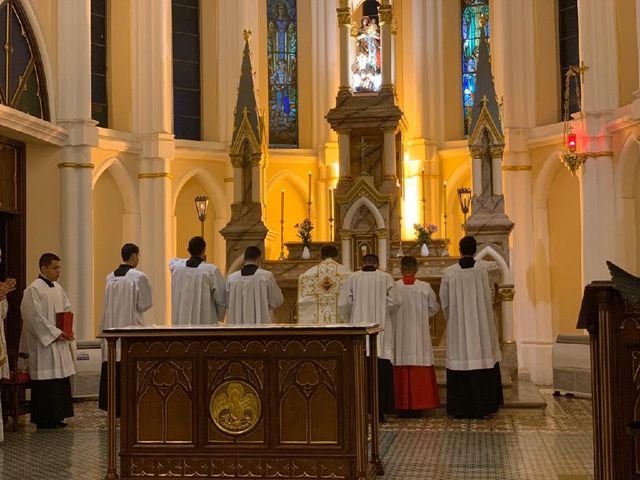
(64, 321)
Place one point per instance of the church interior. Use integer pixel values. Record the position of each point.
(516, 121)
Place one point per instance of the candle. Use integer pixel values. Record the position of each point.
(444, 199)
(331, 204)
(309, 196)
(424, 198)
(282, 206)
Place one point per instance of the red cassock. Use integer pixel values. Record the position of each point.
(416, 388)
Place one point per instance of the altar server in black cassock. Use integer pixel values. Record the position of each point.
(50, 351)
(369, 296)
(127, 295)
(474, 387)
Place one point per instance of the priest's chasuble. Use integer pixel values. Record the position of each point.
(411, 324)
(48, 359)
(472, 336)
(318, 292)
(252, 297)
(369, 297)
(197, 294)
(127, 295)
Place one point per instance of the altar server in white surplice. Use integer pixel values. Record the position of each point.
(127, 295)
(369, 296)
(197, 288)
(414, 376)
(252, 292)
(50, 351)
(6, 287)
(474, 388)
(319, 289)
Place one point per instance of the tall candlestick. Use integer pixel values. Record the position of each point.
(331, 213)
(282, 256)
(400, 194)
(424, 198)
(309, 196)
(444, 207)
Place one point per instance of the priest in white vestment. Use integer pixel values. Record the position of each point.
(127, 295)
(198, 289)
(369, 296)
(319, 289)
(474, 387)
(414, 375)
(252, 292)
(6, 287)
(50, 351)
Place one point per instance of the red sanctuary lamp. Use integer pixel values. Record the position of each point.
(570, 157)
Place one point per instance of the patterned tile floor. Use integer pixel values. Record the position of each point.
(518, 445)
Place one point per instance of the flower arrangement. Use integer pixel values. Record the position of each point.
(304, 231)
(424, 232)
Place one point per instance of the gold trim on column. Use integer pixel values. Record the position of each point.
(155, 175)
(75, 165)
(604, 153)
(516, 168)
(507, 294)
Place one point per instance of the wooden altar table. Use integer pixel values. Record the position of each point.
(244, 401)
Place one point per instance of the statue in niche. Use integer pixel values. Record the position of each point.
(486, 171)
(247, 174)
(367, 74)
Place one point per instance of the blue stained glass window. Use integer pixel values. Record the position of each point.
(22, 83)
(472, 10)
(282, 57)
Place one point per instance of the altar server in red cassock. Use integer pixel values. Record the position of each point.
(414, 375)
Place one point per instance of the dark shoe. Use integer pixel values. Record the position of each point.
(381, 418)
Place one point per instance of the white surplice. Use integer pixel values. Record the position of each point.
(472, 336)
(4, 359)
(369, 297)
(126, 298)
(48, 359)
(318, 292)
(197, 294)
(252, 298)
(411, 324)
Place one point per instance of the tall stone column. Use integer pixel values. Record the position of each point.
(390, 155)
(597, 20)
(344, 24)
(496, 169)
(74, 94)
(152, 85)
(476, 169)
(385, 12)
(344, 144)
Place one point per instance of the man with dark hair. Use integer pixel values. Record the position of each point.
(414, 376)
(474, 387)
(197, 288)
(319, 289)
(50, 351)
(127, 295)
(252, 293)
(369, 296)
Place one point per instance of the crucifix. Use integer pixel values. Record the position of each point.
(363, 154)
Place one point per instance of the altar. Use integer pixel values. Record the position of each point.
(268, 401)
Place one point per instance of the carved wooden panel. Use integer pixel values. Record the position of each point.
(243, 407)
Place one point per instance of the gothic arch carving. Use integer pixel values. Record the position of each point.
(290, 176)
(489, 253)
(348, 218)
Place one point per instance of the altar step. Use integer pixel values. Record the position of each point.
(520, 396)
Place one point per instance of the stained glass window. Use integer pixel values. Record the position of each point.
(186, 68)
(569, 49)
(99, 107)
(22, 84)
(282, 50)
(471, 12)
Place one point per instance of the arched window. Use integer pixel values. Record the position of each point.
(569, 50)
(186, 68)
(470, 22)
(99, 103)
(282, 50)
(22, 83)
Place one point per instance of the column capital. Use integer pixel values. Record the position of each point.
(476, 151)
(344, 17)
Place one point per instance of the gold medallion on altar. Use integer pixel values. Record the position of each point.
(235, 407)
